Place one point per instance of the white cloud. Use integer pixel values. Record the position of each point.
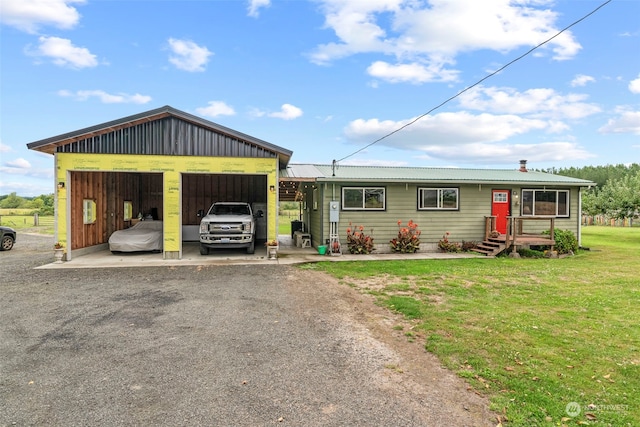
(410, 73)
(5, 148)
(536, 103)
(582, 80)
(509, 153)
(18, 163)
(188, 56)
(287, 112)
(30, 15)
(446, 129)
(463, 137)
(434, 33)
(26, 189)
(255, 5)
(634, 85)
(23, 167)
(626, 122)
(215, 109)
(106, 98)
(63, 53)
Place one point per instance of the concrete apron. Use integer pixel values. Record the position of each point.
(287, 254)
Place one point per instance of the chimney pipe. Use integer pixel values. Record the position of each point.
(523, 166)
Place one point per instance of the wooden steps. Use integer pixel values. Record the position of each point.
(490, 247)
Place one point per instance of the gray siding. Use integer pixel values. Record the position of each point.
(167, 136)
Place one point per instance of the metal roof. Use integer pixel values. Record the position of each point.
(58, 143)
(348, 173)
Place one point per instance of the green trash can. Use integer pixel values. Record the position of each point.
(322, 249)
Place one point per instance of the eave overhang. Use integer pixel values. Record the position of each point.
(50, 145)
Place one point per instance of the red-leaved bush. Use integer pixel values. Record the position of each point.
(408, 240)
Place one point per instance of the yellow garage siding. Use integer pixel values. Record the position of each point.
(169, 193)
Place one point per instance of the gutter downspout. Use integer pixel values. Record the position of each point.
(580, 217)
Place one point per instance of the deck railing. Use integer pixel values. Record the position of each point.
(515, 235)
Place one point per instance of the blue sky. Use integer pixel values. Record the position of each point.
(325, 78)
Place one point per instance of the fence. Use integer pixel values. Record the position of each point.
(604, 220)
(23, 221)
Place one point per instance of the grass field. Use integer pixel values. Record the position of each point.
(284, 220)
(25, 223)
(535, 335)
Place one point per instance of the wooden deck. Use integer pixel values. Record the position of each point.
(515, 238)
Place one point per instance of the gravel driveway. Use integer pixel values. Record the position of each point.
(252, 345)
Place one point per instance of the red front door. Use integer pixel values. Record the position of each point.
(501, 208)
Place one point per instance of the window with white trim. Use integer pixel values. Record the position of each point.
(500, 197)
(363, 198)
(545, 203)
(88, 211)
(438, 198)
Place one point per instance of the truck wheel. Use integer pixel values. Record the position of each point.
(251, 249)
(204, 250)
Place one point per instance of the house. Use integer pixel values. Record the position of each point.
(165, 164)
(470, 204)
(169, 165)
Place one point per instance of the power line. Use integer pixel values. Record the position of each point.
(475, 84)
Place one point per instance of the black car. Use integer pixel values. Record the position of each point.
(7, 238)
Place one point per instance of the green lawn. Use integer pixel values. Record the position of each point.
(284, 220)
(26, 223)
(532, 334)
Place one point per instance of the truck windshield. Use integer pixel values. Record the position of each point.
(230, 210)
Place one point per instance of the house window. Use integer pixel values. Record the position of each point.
(128, 210)
(545, 202)
(368, 198)
(438, 198)
(500, 197)
(88, 211)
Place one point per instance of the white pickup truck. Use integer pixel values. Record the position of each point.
(228, 225)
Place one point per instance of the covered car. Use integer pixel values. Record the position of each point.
(142, 237)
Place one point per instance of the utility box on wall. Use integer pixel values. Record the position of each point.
(334, 211)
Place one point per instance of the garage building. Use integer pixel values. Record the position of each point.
(163, 164)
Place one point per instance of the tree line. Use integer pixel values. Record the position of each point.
(42, 204)
(617, 194)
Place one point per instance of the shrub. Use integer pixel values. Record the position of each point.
(530, 253)
(358, 242)
(467, 246)
(566, 241)
(446, 246)
(408, 240)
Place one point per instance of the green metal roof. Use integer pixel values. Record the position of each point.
(348, 173)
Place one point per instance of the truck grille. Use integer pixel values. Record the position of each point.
(225, 228)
